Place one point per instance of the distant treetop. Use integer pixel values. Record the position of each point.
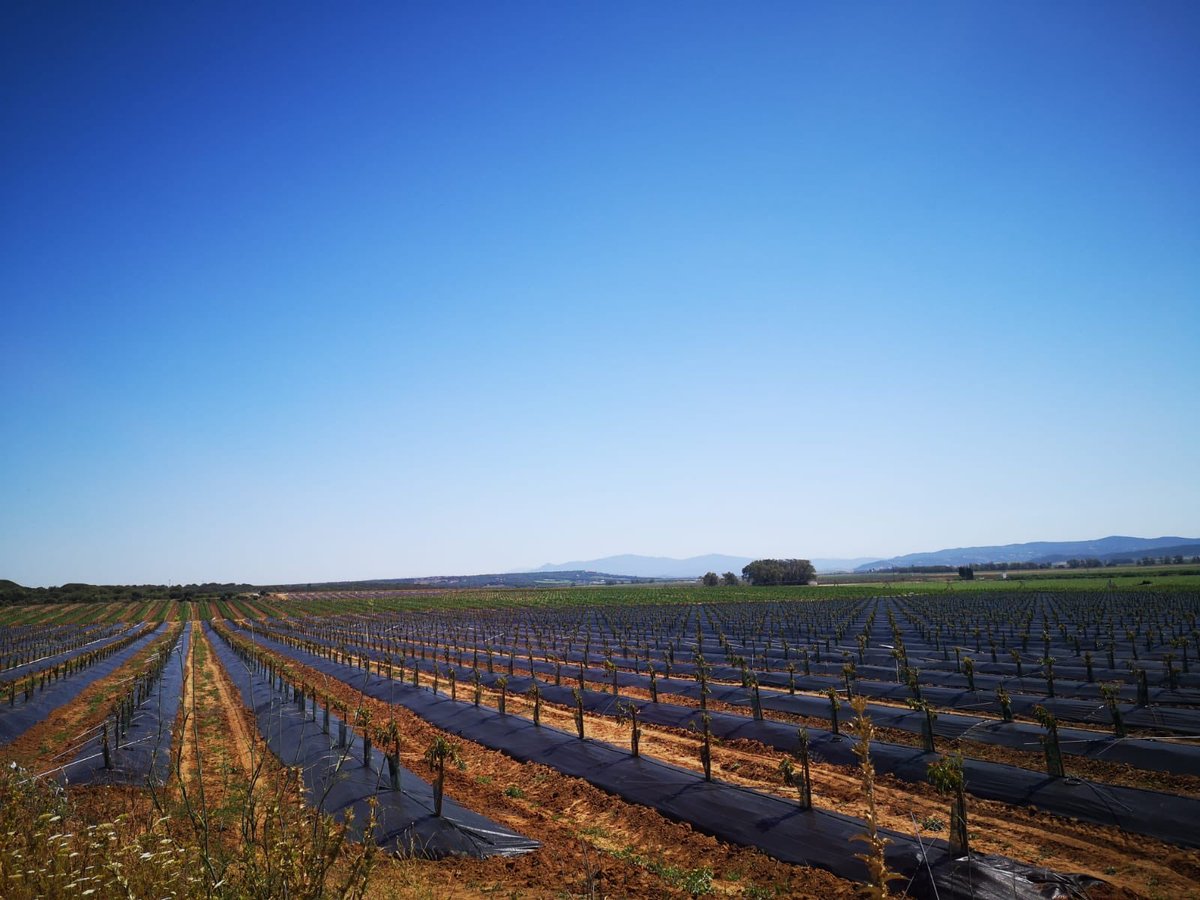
(779, 571)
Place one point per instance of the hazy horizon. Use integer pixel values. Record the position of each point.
(320, 294)
(568, 565)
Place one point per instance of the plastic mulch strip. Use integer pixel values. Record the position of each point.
(339, 784)
(738, 815)
(144, 751)
(16, 720)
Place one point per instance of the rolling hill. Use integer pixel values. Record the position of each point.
(1037, 552)
(692, 567)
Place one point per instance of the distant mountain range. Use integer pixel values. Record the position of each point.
(501, 579)
(692, 567)
(632, 569)
(1104, 549)
(654, 566)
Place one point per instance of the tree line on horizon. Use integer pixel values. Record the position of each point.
(767, 572)
(1089, 562)
(13, 594)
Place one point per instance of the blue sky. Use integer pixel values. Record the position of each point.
(300, 293)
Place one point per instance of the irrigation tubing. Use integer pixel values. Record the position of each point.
(1155, 814)
(1155, 754)
(339, 784)
(34, 666)
(738, 815)
(16, 720)
(143, 752)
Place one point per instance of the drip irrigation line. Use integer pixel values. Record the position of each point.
(1157, 814)
(730, 812)
(925, 857)
(65, 655)
(405, 819)
(141, 750)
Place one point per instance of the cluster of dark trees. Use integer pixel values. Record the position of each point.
(1090, 562)
(1159, 561)
(12, 593)
(779, 571)
(1007, 566)
(1085, 562)
(712, 579)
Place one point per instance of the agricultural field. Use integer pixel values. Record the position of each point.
(620, 742)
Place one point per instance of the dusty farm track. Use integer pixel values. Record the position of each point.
(217, 741)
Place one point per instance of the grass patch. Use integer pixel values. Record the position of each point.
(695, 882)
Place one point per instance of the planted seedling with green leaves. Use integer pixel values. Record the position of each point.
(877, 868)
(437, 754)
(946, 775)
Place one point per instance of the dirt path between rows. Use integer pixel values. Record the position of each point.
(1129, 862)
(66, 725)
(594, 844)
(1033, 760)
(217, 748)
(187, 738)
(229, 701)
(1133, 862)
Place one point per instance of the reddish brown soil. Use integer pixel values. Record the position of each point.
(1129, 863)
(1090, 769)
(35, 748)
(593, 844)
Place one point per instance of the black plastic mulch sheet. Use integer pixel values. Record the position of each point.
(16, 720)
(339, 784)
(1143, 753)
(144, 751)
(820, 838)
(1069, 681)
(1160, 755)
(1176, 719)
(1077, 700)
(938, 667)
(111, 636)
(1163, 755)
(1164, 816)
(1181, 720)
(1153, 813)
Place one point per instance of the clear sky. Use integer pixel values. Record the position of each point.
(300, 292)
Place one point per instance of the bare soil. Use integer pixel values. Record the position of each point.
(594, 844)
(37, 747)
(1081, 767)
(1129, 863)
